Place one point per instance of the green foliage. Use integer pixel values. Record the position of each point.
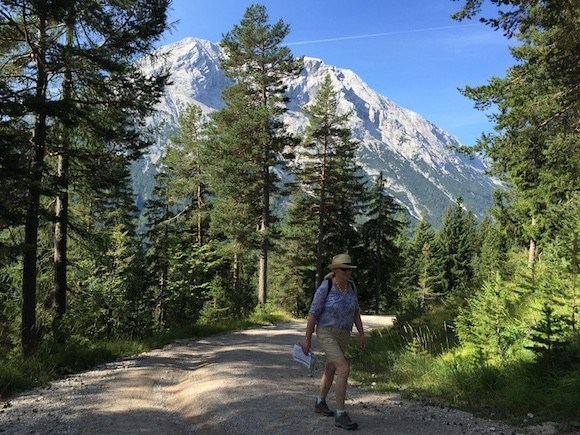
(491, 256)
(183, 176)
(13, 177)
(221, 299)
(9, 304)
(267, 315)
(331, 188)
(248, 135)
(107, 299)
(421, 275)
(292, 277)
(379, 250)
(534, 146)
(549, 335)
(455, 241)
(394, 360)
(489, 322)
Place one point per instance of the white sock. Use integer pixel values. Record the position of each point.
(319, 399)
(339, 412)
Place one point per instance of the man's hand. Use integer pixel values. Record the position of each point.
(305, 345)
(362, 343)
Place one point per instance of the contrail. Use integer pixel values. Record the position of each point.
(375, 35)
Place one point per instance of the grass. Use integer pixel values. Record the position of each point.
(53, 361)
(398, 360)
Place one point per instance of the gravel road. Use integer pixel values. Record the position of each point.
(243, 382)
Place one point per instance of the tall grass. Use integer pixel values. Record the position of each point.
(418, 362)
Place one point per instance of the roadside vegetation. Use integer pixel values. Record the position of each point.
(56, 360)
(426, 361)
(523, 391)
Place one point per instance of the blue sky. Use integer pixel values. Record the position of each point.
(409, 51)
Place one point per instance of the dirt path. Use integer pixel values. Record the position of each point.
(238, 383)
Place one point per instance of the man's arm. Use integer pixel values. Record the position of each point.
(307, 343)
(362, 344)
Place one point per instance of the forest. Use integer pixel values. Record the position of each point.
(223, 237)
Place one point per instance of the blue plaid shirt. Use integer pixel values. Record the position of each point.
(337, 309)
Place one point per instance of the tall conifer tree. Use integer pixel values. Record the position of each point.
(535, 142)
(176, 216)
(250, 133)
(379, 235)
(101, 101)
(330, 176)
(456, 240)
(421, 273)
(186, 178)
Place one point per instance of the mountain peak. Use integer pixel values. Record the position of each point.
(414, 155)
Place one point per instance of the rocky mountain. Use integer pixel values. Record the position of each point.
(422, 173)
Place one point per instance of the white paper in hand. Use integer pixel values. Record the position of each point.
(300, 357)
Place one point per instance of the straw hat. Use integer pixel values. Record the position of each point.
(341, 261)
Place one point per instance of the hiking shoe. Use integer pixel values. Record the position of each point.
(345, 422)
(322, 408)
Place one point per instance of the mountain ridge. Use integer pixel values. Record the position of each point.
(414, 155)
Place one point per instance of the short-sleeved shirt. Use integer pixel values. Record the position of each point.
(337, 309)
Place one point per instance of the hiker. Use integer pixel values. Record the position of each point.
(333, 310)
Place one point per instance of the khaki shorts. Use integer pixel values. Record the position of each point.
(334, 342)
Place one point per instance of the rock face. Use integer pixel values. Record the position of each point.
(413, 154)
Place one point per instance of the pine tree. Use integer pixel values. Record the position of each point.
(489, 321)
(421, 275)
(160, 238)
(331, 176)
(71, 80)
(492, 250)
(250, 133)
(297, 255)
(234, 179)
(378, 235)
(534, 146)
(175, 215)
(185, 175)
(456, 239)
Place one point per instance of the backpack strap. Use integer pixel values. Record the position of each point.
(351, 282)
(348, 282)
(328, 287)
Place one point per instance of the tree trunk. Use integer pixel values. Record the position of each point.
(263, 274)
(28, 329)
(378, 280)
(199, 218)
(235, 273)
(321, 216)
(29, 264)
(60, 245)
(532, 249)
(379, 261)
(161, 305)
(61, 207)
(164, 278)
